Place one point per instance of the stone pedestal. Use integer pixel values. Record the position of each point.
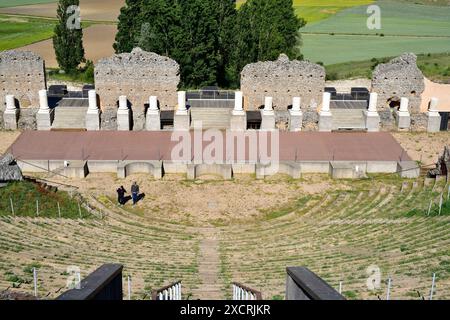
(123, 115)
(11, 114)
(182, 121)
(93, 113)
(325, 116)
(402, 116)
(403, 120)
(44, 119)
(238, 122)
(372, 121)
(93, 120)
(267, 121)
(434, 119)
(153, 118)
(153, 121)
(295, 121)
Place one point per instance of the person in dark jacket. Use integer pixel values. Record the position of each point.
(121, 195)
(135, 192)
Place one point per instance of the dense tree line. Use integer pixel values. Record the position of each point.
(212, 40)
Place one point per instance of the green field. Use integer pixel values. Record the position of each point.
(435, 67)
(16, 32)
(14, 3)
(406, 27)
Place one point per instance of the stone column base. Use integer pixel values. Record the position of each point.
(295, 121)
(153, 121)
(403, 121)
(325, 122)
(123, 120)
(182, 122)
(238, 122)
(268, 122)
(44, 119)
(10, 119)
(372, 122)
(93, 120)
(434, 123)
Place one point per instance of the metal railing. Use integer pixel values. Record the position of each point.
(170, 292)
(210, 95)
(105, 283)
(241, 292)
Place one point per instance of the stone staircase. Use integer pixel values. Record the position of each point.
(346, 119)
(69, 118)
(212, 118)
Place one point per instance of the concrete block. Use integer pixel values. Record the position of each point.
(153, 121)
(325, 122)
(315, 166)
(182, 122)
(126, 168)
(381, 166)
(408, 169)
(238, 122)
(76, 169)
(295, 121)
(267, 122)
(190, 173)
(123, 120)
(347, 170)
(244, 168)
(10, 118)
(290, 168)
(434, 123)
(372, 121)
(44, 119)
(402, 120)
(93, 120)
(195, 171)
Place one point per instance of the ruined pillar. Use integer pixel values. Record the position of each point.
(153, 119)
(11, 114)
(44, 117)
(371, 115)
(238, 121)
(93, 113)
(123, 115)
(325, 116)
(296, 115)
(402, 116)
(434, 119)
(268, 115)
(182, 118)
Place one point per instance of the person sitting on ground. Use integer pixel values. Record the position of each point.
(121, 195)
(135, 192)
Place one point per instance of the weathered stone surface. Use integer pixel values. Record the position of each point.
(419, 122)
(108, 119)
(137, 75)
(396, 79)
(282, 80)
(22, 75)
(387, 120)
(27, 119)
(310, 120)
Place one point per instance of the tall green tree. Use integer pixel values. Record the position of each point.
(129, 26)
(68, 37)
(264, 30)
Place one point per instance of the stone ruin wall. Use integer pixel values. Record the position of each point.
(399, 78)
(283, 80)
(22, 74)
(137, 75)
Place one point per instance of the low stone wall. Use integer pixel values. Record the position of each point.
(283, 80)
(399, 78)
(137, 75)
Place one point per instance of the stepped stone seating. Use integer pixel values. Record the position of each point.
(348, 119)
(211, 118)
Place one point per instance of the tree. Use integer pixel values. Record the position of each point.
(129, 26)
(264, 30)
(68, 38)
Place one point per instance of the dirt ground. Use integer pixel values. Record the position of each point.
(96, 10)
(6, 139)
(97, 40)
(424, 147)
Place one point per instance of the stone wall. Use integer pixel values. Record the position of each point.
(22, 74)
(137, 75)
(283, 80)
(399, 78)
